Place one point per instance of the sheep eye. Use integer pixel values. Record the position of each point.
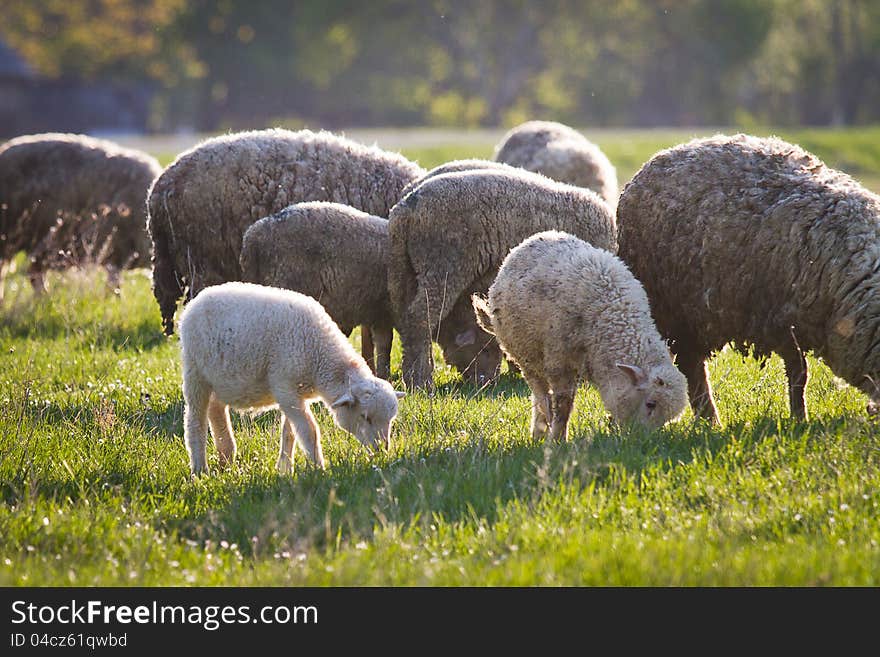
(661, 382)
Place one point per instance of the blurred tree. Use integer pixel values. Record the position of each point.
(241, 48)
(90, 39)
(855, 40)
(494, 50)
(695, 51)
(820, 64)
(233, 63)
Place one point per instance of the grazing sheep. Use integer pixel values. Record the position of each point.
(562, 153)
(449, 236)
(756, 241)
(66, 199)
(331, 252)
(565, 311)
(459, 332)
(201, 204)
(255, 347)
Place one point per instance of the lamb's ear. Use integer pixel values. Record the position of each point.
(482, 312)
(400, 394)
(465, 338)
(634, 372)
(343, 400)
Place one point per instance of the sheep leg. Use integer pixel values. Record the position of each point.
(37, 279)
(415, 336)
(383, 338)
(221, 429)
(166, 284)
(561, 402)
(367, 347)
(284, 465)
(540, 406)
(308, 435)
(114, 278)
(695, 369)
(796, 372)
(417, 361)
(196, 397)
(4, 270)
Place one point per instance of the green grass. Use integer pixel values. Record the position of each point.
(94, 485)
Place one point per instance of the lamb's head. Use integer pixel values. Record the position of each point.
(650, 397)
(367, 410)
(466, 346)
(473, 353)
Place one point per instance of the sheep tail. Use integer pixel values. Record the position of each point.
(167, 286)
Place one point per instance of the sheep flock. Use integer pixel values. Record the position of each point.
(266, 249)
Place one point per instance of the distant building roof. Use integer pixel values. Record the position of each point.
(12, 65)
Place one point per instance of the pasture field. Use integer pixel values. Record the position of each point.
(95, 488)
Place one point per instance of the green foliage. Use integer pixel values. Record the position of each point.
(95, 490)
(236, 64)
(98, 38)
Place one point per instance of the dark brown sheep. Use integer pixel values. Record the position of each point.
(69, 199)
(755, 241)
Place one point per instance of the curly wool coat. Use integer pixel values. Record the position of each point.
(562, 153)
(567, 312)
(756, 241)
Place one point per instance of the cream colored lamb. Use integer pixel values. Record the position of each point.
(254, 347)
(565, 311)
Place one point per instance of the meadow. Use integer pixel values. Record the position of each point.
(95, 486)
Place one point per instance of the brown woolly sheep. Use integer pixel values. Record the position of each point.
(339, 256)
(755, 241)
(66, 199)
(334, 253)
(454, 166)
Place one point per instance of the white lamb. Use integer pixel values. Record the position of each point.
(255, 347)
(564, 311)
